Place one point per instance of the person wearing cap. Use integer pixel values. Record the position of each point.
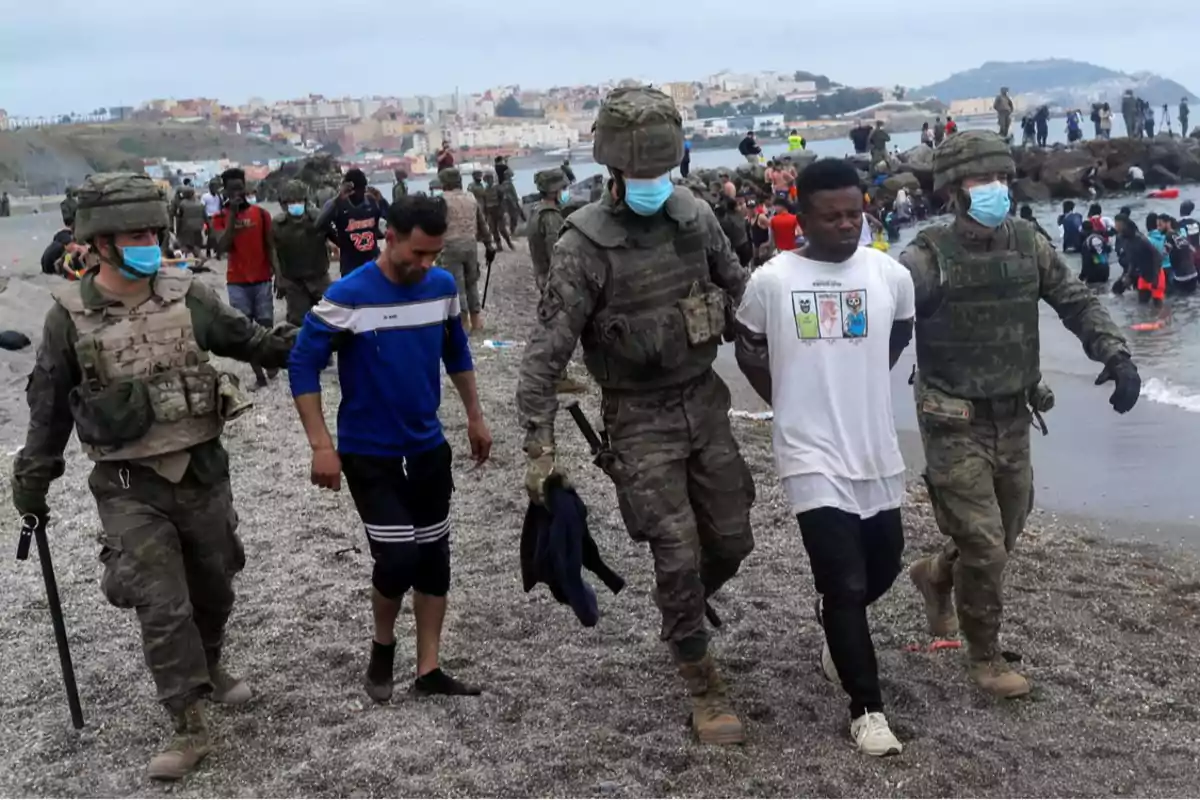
(977, 284)
(644, 279)
(150, 418)
(465, 231)
(300, 246)
(356, 215)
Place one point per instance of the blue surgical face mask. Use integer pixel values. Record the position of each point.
(251, 199)
(296, 209)
(141, 261)
(989, 204)
(645, 196)
(564, 196)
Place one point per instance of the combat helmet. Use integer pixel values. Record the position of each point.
(113, 202)
(550, 180)
(294, 191)
(971, 153)
(450, 178)
(638, 131)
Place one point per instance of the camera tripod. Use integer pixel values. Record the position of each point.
(1165, 122)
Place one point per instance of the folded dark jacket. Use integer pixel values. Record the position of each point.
(555, 548)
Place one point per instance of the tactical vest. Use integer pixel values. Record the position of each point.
(660, 319)
(153, 346)
(300, 246)
(539, 248)
(461, 211)
(491, 197)
(982, 341)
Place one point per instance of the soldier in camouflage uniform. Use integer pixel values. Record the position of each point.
(645, 277)
(301, 247)
(493, 210)
(399, 188)
(465, 231)
(476, 187)
(68, 207)
(189, 222)
(547, 221)
(511, 203)
(978, 281)
(124, 361)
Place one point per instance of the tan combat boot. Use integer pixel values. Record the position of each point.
(189, 745)
(937, 589)
(998, 679)
(713, 719)
(228, 690)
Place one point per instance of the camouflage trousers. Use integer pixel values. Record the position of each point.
(498, 225)
(682, 487)
(461, 259)
(1005, 121)
(980, 483)
(170, 552)
(301, 294)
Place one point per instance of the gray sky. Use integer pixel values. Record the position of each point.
(128, 51)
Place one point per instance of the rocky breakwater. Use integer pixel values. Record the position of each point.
(1061, 171)
(319, 172)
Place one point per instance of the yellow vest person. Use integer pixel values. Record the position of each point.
(796, 142)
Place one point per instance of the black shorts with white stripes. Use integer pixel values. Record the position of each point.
(404, 504)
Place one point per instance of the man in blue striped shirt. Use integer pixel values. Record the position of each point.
(394, 322)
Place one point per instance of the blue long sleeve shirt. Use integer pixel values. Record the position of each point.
(391, 341)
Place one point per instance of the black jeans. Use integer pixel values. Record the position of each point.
(854, 562)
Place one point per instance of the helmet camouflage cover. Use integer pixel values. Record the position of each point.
(638, 131)
(550, 180)
(450, 178)
(114, 202)
(971, 153)
(294, 191)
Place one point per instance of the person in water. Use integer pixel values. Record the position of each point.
(1095, 252)
(1071, 222)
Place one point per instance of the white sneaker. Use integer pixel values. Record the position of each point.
(873, 736)
(827, 665)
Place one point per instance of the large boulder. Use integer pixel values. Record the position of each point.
(1027, 190)
(886, 192)
(319, 172)
(1159, 175)
(918, 159)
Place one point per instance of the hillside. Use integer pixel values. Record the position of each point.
(44, 160)
(1055, 80)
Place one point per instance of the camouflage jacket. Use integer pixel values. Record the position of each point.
(300, 246)
(491, 197)
(584, 284)
(543, 233)
(218, 329)
(1079, 309)
(477, 189)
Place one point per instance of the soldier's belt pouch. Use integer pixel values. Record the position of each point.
(703, 316)
(113, 416)
(941, 409)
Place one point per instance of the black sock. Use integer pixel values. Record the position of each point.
(383, 656)
(437, 682)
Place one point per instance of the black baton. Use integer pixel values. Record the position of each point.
(33, 528)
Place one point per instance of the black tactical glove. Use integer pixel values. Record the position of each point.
(1118, 287)
(1120, 369)
(29, 500)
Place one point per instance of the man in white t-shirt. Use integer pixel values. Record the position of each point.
(818, 332)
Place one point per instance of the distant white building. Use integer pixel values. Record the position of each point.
(535, 133)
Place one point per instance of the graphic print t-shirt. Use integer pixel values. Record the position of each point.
(828, 327)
